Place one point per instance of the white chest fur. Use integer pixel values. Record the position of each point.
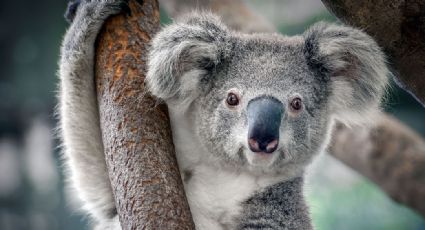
(215, 195)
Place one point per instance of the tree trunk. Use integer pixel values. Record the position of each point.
(399, 27)
(136, 132)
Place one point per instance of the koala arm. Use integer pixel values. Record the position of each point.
(280, 206)
(78, 111)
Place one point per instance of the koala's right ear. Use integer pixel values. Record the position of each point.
(184, 55)
(353, 65)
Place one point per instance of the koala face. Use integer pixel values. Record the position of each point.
(265, 102)
(265, 108)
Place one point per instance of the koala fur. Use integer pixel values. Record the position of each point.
(337, 72)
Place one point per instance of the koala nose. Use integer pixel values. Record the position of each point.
(263, 146)
(264, 116)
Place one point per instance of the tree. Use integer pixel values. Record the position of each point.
(136, 131)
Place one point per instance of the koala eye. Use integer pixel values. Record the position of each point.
(232, 99)
(296, 104)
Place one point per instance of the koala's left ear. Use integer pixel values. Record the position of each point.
(184, 55)
(353, 64)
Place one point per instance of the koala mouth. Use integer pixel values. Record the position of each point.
(263, 154)
(263, 159)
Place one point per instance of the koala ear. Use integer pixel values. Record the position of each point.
(184, 55)
(353, 64)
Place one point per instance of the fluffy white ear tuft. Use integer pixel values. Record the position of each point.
(354, 65)
(183, 57)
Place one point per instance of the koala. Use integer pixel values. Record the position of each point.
(248, 112)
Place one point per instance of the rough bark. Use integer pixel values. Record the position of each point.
(399, 27)
(136, 133)
(390, 153)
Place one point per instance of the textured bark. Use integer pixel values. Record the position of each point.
(389, 154)
(136, 133)
(399, 27)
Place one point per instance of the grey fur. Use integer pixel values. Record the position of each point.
(338, 72)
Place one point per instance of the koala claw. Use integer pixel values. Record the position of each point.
(125, 8)
(71, 10)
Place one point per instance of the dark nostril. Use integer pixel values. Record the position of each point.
(264, 146)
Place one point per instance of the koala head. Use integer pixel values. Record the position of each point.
(265, 102)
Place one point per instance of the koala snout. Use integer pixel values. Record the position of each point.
(264, 116)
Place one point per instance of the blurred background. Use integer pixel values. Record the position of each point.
(32, 192)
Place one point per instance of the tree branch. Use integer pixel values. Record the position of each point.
(136, 133)
(389, 154)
